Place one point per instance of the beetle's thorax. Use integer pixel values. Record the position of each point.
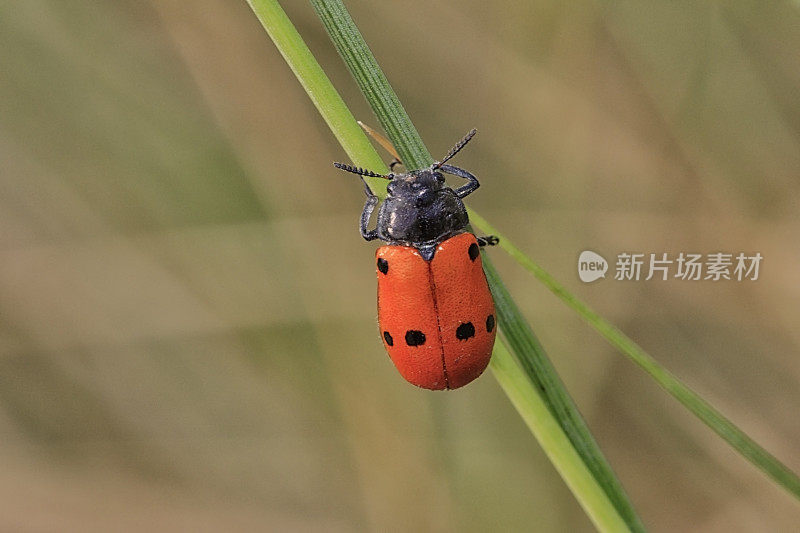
(420, 211)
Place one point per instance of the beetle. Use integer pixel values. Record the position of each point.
(435, 310)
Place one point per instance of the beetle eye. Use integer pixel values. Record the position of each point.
(439, 177)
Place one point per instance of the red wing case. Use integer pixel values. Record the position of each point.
(467, 322)
(407, 316)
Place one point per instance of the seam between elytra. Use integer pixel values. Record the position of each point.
(438, 322)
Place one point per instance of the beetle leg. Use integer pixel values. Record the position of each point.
(487, 240)
(464, 190)
(369, 207)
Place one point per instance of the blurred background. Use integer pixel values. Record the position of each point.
(187, 310)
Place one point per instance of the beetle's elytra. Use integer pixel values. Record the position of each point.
(435, 311)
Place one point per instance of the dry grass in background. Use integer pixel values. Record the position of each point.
(187, 335)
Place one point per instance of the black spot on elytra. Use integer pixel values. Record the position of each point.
(490, 323)
(388, 338)
(465, 331)
(415, 337)
(473, 251)
(383, 265)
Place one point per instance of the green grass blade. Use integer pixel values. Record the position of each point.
(540, 371)
(726, 429)
(554, 441)
(381, 97)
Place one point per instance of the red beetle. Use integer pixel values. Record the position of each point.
(435, 311)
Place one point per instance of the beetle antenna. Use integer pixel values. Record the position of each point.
(362, 171)
(457, 148)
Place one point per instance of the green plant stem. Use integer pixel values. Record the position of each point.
(554, 441)
(533, 359)
(737, 438)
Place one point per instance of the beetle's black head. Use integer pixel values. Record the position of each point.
(420, 185)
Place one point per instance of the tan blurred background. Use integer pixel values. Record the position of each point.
(187, 335)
